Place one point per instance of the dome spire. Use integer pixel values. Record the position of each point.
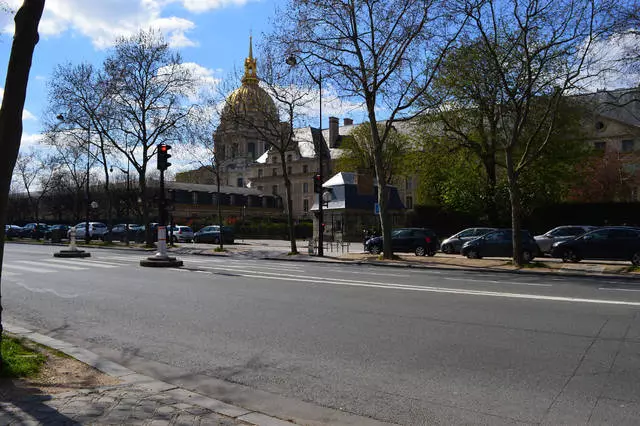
(250, 68)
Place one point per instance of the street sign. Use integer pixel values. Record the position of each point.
(376, 208)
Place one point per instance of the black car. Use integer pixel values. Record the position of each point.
(499, 243)
(34, 230)
(454, 243)
(211, 234)
(119, 232)
(611, 243)
(421, 241)
(59, 230)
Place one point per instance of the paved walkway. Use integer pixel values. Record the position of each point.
(138, 400)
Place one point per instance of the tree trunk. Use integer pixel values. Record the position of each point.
(15, 91)
(490, 192)
(516, 209)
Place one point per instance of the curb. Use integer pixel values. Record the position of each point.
(130, 377)
(533, 272)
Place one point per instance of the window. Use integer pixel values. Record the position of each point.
(261, 188)
(289, 158)
(259, 173)
(251, 149)
(467, 233)
(600, 146)
(305, 169)
(409, 184)
(289, 170)
(240, 182)
(305, 187)
(274, 160)
(274, 189)
(274, 172)
(627, 145)
(305, 205)
(409, 203)
(194, 198)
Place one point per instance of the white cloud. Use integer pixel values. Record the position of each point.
(104, 20)
(26, 114)
(30, 140)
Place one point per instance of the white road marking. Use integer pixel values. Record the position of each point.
(619, 289)
(44, 290)
(499, 282)
(10, 274)
(88, 263)
(29, 269)
(455, 291)
(61, 265)
(234, 267)
(371, 273)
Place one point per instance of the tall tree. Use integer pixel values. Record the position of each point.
(536, 53)
(25, 39)
(35, 171)
(383, 52)
(79, 100)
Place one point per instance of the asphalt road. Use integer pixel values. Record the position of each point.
(399, 345)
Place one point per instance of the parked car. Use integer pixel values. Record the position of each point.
(60, 230)
(561, 233)
(34, 230)
(97, 230)
(610, 243)
(454, 243)
(181, 234)
(12, 231)
(211, 234)
(421, 241)
(119, 232)
(499, 243)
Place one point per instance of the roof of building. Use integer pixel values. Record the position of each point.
(197, 187)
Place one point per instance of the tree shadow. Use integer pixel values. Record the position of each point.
(31, 402)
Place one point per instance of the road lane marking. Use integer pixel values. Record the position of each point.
(443, 290)
(30, 269)
(10, 274)
(341, 271)
(61, 265)
(499, 282)
(79, 262)
(44, 290)
(253, 267)
(619, 289)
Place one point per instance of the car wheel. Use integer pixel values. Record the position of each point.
(431, 253)
(635, 259)
(447, 248)
(216, 240)
(421, 251)
(473, 254)
(527, 256)
(375, 249)
(570, 256)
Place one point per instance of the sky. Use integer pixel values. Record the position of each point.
(211, 35)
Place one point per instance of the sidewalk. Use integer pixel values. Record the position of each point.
(137, 400)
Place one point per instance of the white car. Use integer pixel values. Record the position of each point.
(561, 233)
(97, 230)
(181, 234)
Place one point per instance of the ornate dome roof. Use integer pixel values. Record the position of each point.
(250, 96)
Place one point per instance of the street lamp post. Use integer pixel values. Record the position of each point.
(293, 61)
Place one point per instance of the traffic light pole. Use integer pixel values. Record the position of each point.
(161, 258)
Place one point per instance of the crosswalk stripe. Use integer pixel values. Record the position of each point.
(10, 274)
(29, 269)
(74, 263)
(63, 266)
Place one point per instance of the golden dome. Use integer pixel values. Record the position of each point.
(250, 96)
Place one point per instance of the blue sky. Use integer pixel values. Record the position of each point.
(213, 34)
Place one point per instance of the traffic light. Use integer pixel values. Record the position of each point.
(163, 156)
(317, 184)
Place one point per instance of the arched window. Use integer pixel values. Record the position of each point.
(251, 150)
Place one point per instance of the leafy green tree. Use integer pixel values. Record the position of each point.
(359, 151)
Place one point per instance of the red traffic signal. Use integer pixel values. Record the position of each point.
(163, 156)
(317, 183)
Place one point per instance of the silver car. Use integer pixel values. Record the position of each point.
(97, 230)
(181, 234)
(561, 233)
